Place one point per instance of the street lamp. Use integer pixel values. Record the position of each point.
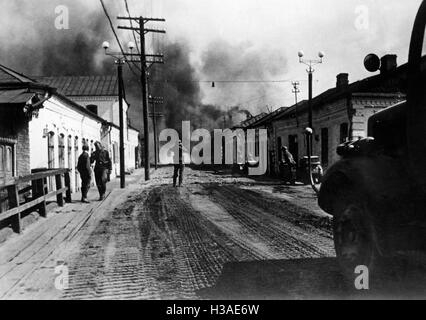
(120, 59)
(310, 71)
(309, 130)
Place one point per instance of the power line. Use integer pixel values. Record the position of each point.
(229, 81)
(116, 36)
(131, 24)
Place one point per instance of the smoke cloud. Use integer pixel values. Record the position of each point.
(242, 73)
(31, 44)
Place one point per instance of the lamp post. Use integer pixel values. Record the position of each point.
(120, 60)
(310, 130)
(310, 71)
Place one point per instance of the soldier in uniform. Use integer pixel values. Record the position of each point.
(103, 168)
(179, 166)
(83, 167)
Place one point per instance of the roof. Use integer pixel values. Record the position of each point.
(269, 116)
(8, 75)
(15, 96)
(391, 83)
(252, 120)
(16, 88)
(73, 86)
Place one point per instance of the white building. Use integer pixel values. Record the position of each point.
(42, 128)
(99, 94)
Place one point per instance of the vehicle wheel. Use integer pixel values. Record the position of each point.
(354, 236)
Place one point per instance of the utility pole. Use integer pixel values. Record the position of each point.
(120, 63)
(144, 61)
(154, 115)
(120, 59)
(296, 90)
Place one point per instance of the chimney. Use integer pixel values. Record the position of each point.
(92, 108)
(342, 80)
(388, 63)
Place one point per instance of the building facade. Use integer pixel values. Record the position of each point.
(339, 114)
(41, 128)
(99, 95)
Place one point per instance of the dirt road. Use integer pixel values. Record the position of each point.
(170, 243)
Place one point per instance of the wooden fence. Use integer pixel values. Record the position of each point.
(40, 194)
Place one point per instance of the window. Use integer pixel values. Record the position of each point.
(51, 150)
(61, 147)
(7, 160)
(69, 152)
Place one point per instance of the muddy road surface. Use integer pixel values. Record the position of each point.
(189, 242)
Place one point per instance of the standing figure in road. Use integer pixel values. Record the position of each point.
(103, 168)
(179, 166)
(288, 165)
(288, 157)
(83, 167)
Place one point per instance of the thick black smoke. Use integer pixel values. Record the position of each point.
(31, 44)
(179, 83)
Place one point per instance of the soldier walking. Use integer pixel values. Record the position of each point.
(179, 166)
(83, 167)
(103, 168)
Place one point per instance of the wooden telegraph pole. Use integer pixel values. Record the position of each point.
(146, 61)
(154, 115)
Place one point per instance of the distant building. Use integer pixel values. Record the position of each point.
(99, 94)
(339, 114)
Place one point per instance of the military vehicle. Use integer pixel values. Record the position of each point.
(377, 191)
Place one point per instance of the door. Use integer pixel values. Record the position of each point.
(324, 147)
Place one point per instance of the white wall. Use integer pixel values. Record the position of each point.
(60, 118)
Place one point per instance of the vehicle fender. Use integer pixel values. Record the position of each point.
(380, 180)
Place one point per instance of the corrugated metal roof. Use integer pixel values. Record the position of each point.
(8, 75)
(73, 86)
(15, 96)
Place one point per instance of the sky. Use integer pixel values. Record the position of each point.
(345, 30)
(227, 40)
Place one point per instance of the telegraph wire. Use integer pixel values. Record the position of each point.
(131, 24)
(116, 36)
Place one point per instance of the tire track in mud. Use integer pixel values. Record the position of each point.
(200, 248)
(110, 264)
(154, 247)
(286, 238)
(158, 246)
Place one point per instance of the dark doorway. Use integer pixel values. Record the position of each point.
(324, 146)
(344, 132)
(279, 146)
